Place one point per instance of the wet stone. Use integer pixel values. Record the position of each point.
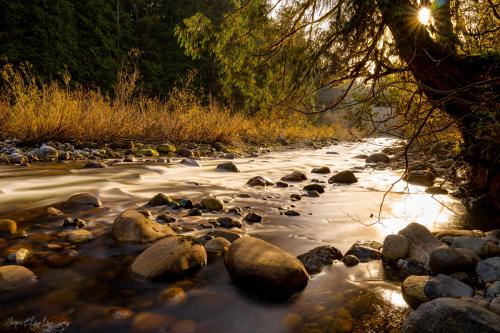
(212, 203)
(366, 250)
(131, 226)
(343, 177)
(231, 236)
(445, 286)
(350, 260)
(79, 236)
(166, 218)
(413, 290)
(314, 187)
(195, 212)
(159, 200)
(74, 222)
(217, 246)
(292, 213)
(16, 277)
(315, 259)
(295, 176)
(7, 226)
(260, 181)
(228, 166)
(321, 170)
(95, 165)
(378, 157)
(281, 184)
(229, 222)
(253, 218)
(61, 259)
(19, 256)
(82, 201)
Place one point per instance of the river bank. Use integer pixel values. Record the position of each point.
(84, 275)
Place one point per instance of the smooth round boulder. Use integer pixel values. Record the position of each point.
(350, 260)
(169, 258)
(79, 236)
(160, 200)
(8, 226)
(295, 176)
(265, 268)
(259, 181)
(82, 201)
(231, 236)
(420, 177)
(314, 187)
(446, 286)
(132, 226)
(413, 290)
(447, 260)
(395, 247)
(212, 203)
(15, 277)
(190, 162)
(421, 242)
(488, 270)
(343, 177)
(320, 256)
(378, 157)
(451, 315)
(228, 166)
(321, 170)
(253, 218)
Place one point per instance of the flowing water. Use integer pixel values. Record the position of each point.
(339, 299)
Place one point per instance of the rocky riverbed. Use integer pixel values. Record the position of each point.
(205, 239)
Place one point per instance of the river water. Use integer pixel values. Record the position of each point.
(339, 299)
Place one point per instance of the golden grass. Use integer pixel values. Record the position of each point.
(35, 112)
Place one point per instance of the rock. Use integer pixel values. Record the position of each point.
(445, 286)
(451, 315)
(295, 197)
(332, 153)
(378, 157)
(413, 290)
(315, 259)
(266, 268)
(19, 256)
(129, 158)
(253, 218)
(350, 260)
(167, 218)
(48, 152)
(195, 212)
(292, 213)
(260, 181)
(228, 166)
(295, 176)
(131, 226)
(488, 270)
(169, 258)
(322, 170)
(493, 290)
(314, 187)
(79, 236)
(446, 260)
(231, 236)
(8, 226)
(343, 177)
(420, 177)
(479, 245)
(95, 165)
(217, 246)
(166, 148)
(212, 203)
(436, 190)
(148, 152)
(421, 242)
(395, 247)
(313, 194)
(410, 266)
(459, 233)
(186, 204)
(365, 250)
(74, 222)
(495, 305)
(15, 277)
(51, 211)
(160, 200)
(281, 184)
(190, 162)
(361, 156)
(229, 222)
(82, 201)
(61, 259)
(185, 152)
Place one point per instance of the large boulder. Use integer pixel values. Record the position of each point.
(259, 181)
(343, 177)
(132, 226)
(365, 250)
(15, 277)
(479, 245)
(82, 201)
(295, 176)
(446, 286)
(488, 270)
(169, 258)
(421, 242)
(266, 268)
(451, 315)
(413, 290)
(378, 157)
(447, 260)
(395, 247)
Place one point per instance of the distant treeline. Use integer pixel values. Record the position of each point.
(91, 39)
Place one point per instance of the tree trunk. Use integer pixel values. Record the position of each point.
(452, 80)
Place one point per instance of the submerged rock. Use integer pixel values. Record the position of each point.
(451, 315)
(265, 268)
(8, 226)
(169, 258)
(295, 176)
(228, 166)
(260, 181)
(343, 177)
(378, 157)
(82, 201)
(212, 203)
(446, 286)
(315, 259)
(79, 236)
(131, 226)
(15, 277)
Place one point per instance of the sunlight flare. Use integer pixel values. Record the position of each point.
(424, 16)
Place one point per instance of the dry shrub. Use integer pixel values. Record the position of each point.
(34, 111)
